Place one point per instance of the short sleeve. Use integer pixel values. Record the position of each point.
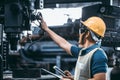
(75, 51)
(99, 62)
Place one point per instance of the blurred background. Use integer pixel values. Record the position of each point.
(26, 48)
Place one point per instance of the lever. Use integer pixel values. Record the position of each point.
(59, 70)
(51, 73)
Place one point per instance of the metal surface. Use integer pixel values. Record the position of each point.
(52, 3)
(52, 73)
(71, 1)
(59, 70)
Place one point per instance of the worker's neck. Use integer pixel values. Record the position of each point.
(87, 44)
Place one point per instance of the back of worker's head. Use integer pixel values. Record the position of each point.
(96, 26)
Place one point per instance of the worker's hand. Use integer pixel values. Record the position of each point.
(65, 79)
(68, 76)
(43, 24)
(67, 73)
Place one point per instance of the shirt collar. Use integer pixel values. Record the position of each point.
(87, 50)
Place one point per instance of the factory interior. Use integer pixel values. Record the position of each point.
(39, 57)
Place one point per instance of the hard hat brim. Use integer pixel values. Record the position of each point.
(89, 28)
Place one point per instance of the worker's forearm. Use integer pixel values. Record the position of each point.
(59, 40)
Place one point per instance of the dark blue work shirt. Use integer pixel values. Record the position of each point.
(99, 60)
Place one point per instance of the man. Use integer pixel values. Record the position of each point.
(92, 61)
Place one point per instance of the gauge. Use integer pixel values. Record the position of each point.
(102, 9)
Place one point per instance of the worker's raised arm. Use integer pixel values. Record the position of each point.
(56, 38)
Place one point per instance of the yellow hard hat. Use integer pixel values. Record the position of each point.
(95, 24)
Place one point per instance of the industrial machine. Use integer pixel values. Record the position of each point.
(27, 61)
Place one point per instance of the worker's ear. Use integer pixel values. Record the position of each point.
(87, 34)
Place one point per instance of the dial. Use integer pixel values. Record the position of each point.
(102, 9)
